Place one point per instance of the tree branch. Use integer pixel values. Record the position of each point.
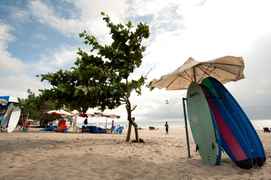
(133, 108)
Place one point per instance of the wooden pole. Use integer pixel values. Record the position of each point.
(186, 129)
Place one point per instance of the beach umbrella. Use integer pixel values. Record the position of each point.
(113, 116)
(75, 112)
(59, 112)
(92, 111)
(224, 69)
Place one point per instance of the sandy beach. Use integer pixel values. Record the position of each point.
(39, 155)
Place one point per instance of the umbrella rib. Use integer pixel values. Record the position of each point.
(172, 81)
(222, 68)
(224, 64)
(188, 75)
(208, 74)
(180, 75)
(205, 72)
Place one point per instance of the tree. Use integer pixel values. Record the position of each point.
(36, 106)
(102, 77)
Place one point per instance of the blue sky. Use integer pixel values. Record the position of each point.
(42, 36)
(32, 38)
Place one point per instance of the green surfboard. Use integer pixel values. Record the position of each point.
(201, 123)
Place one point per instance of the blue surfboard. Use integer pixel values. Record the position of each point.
(230, 138)
(238, 137)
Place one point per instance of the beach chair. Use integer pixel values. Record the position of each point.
(266, 130)
(118, 130)
(62, 127)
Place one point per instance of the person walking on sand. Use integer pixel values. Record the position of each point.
(166, 125)
(112, 126)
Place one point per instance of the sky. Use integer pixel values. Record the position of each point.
(42, 36)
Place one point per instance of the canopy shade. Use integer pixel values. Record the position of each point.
(225, 69)
(92, 111)
(59, 112)
(97, 112)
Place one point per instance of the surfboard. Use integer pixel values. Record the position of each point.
(203, 131)
(3, 108)
(6, 117)
(14, 119)
(239, 138)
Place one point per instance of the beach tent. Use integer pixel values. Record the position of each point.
(225, 69)
(4, 100)
(9, 113)
(9, 99)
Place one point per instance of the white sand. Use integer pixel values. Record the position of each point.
(59, 156)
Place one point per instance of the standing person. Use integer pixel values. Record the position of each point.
(74, 119)
(112, 126)
(84, 127)
(166, 125)
(86, 122)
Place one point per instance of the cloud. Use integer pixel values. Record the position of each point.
(179, 29)
(158, 104)
(17, 85)
(13, 77)
(162, 16)
(46, 15)
(20, 15)
(210, 31)
(8, 63)
(254, 92)
(17, 76)
(59, 58)
(89, 15)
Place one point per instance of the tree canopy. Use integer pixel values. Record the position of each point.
(36, 106)
(101, 77)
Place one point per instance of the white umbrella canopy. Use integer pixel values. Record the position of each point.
(114, 116)
(92, 111)
(224, 69)
(75, 112)
(59, 112)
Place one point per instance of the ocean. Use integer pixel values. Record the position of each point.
(257, 123)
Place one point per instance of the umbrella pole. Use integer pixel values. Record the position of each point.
(194, 74)
(186, 130)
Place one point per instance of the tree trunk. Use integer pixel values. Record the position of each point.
(129, 118)
(131, 123)
(129, 132)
